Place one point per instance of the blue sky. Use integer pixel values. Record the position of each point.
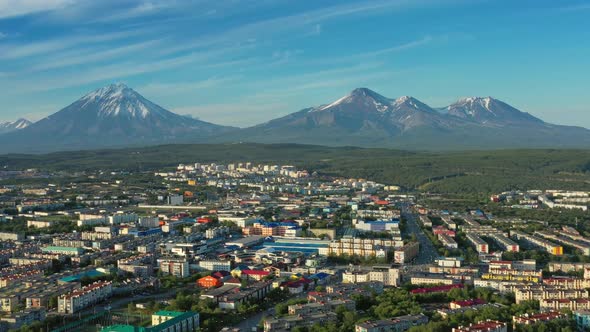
(242, 62)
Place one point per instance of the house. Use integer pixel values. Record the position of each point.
(209, 282)
(255, 274)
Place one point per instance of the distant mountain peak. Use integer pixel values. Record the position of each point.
(411, 103)
(118, 99)
(485, 102)
(488, 110)
(361, 96)
(9, 126)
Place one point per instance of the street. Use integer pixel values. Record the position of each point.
(428, 252)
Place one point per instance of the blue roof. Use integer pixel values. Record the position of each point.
(319, 275)
(89, 274)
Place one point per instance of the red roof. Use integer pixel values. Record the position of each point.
(469, 303)
(255, 272)
(434, 289)
(233, 281)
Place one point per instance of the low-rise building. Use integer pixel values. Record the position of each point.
(163, 321)
(396, 324)
(529, 319)
(484, 326)
(77, 300)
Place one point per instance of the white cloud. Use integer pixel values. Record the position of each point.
(52, 45)
(13, 8)
(398, 48)
(78, 57)
(578, 7)
(144, 8)
(185, 87)
(3, 35)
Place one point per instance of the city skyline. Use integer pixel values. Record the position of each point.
(243, 63)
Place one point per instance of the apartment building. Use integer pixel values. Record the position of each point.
(537, 242)
(387, 275)
(483, 326)
(6, 236)
(139, 265)
(505, 243)
(547, 292)
(567, 267)
(583, 247)
(67, 251)
(316, 307)
(523, 265)
(480, 245)
(288, 323)
(447, 241)
(397, 324)
(214, 265)
(359, 247)
(564, 304)
(529, 319)
(567, 283)
(77, 300)
(406, 253)
(163, 321)
(176, 267)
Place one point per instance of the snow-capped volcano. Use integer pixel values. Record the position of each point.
(119, 99)
(114, 115)
(366, 118)
(361, 97)
(6, 127)
(488, 110)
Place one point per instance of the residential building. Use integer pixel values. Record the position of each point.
(406, 253)
(176, 267)
(163, 321)
(77, 300)
(396, 324)
(484, 326)
(214, 265)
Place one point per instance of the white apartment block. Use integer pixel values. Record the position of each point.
(79, 299)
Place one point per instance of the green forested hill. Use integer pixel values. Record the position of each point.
(455, 172)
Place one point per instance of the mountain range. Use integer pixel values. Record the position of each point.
(116, 116)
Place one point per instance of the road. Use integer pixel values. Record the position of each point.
(251, 322)
(428, 252)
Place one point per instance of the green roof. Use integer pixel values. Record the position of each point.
(178, 316)
(168, 313)
(61, 248)
(122, 328)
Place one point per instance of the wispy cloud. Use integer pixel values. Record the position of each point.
(398, 48)
(16, 51)
(143, 8)
(79, 57)
(3, 35)
(576, 7)
(12, 8)
(163, 89)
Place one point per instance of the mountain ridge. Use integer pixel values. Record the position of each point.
(368, 119)
(118, 116)
(111, 116)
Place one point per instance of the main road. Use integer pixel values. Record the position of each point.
(428, 252)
